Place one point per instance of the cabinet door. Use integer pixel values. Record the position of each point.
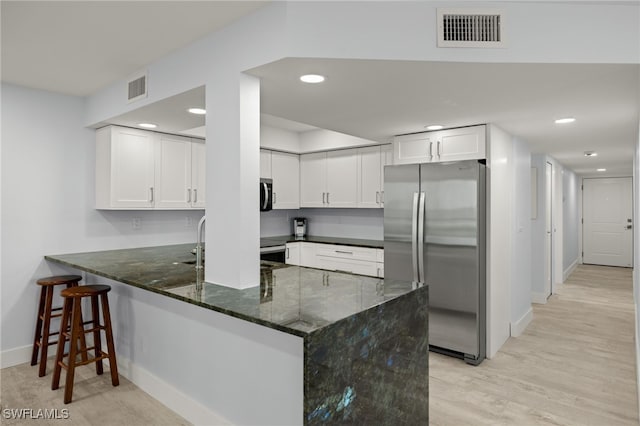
(198, 173)
(173, 172)
(345, 265)
(342, 178)
(285, 171)
(292, 254)
(416, 148)
(467, 143)
(386, 159)
(308, 255)
(369, 177)
(313, 179)
(265, 164)
(132, 168)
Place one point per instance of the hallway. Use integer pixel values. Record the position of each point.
(574, 364)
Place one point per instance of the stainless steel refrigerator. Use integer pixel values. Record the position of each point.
(434, 233)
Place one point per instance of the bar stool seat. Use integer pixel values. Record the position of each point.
(46, 312)
(72, 320)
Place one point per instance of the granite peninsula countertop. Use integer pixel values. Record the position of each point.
(292, 299)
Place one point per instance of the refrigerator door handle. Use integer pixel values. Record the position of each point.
(414, 238)
(421, 219)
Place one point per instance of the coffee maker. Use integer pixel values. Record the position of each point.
(299, 227)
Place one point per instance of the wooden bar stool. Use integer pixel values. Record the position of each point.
(45, 313)
(72, 319)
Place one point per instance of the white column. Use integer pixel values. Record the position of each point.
(232, 252)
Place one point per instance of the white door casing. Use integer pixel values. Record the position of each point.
(607, 215)
(548, 238)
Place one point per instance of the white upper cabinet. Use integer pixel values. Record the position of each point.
(466, 143)
(138, 169)
(342, 178)
(265, 164)
(371, 162)
(173, 172)
(285, 172)
(125, 168)
(329, 179)
(198, 173)
(313, 179)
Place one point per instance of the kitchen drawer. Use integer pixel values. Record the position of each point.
(347, 252)
(360, 267)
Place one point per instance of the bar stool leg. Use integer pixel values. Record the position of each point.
(76, 328)
(96, 334)
(62, 339)
(45, 332)
(113, 366)
(38, 333)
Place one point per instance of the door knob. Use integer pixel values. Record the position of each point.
(628, 227)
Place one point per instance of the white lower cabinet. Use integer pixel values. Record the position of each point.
(292, 254)
(333, 257)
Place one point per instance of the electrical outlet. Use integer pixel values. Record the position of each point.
(136, 223)
(188, 222)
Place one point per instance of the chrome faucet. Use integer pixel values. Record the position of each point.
(199, 248)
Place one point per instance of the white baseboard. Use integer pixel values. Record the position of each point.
(16, 356)
(570, 270)
(539, 298)
(518, 327)
(168, 395)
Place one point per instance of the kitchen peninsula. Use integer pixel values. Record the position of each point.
(355, 352)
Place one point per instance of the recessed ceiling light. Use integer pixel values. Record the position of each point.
(198, 111)
(148, 125)
(590, 154)
(602, 170)
(312, 78)
(565, 120)
(434, 127)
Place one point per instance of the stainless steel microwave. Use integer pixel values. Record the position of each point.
(266, 195)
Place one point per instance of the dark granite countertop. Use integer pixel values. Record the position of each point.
(292, 299)
(356, 242)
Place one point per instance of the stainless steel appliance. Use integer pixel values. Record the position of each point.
(266, 194)
(434, 233)
(274, 253)
(299, 227)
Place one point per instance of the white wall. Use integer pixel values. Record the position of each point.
(499, 238)
(521, 312)
(571, 222)
(636, 254)
(48, 204)
(279, 139)
(538, 232)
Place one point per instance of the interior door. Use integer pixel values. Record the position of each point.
(548, 238)
(607, 231)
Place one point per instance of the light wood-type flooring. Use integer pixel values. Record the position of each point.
(574, 365)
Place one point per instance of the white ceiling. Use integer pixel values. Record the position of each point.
(78, 47)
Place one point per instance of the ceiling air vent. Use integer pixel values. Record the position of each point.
(137, 87)
(470, 28)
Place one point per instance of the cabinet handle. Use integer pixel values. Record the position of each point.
(438, 149)
(377, 197)
(195, 195)
(377, 272)
(430, 149)
(287, 255)
(188, 195)
(274, 198)
(327, 198)
(323, 202)
(382, 197)
(151, 192)
(343, 252)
